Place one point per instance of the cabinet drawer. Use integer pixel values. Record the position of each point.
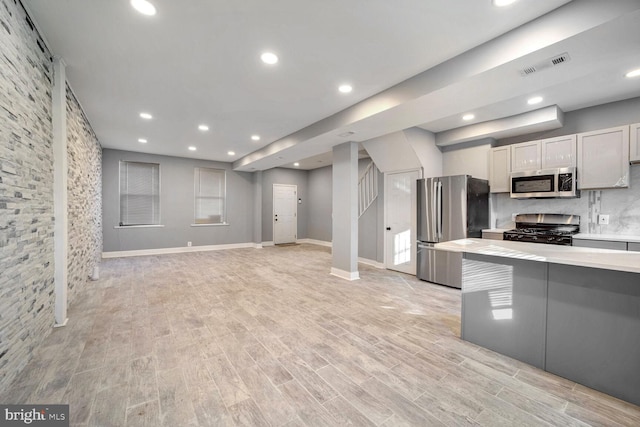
(600, 244)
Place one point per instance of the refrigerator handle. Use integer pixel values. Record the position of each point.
(439, 211)
(433, 218)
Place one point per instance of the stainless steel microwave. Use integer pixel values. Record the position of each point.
(559, 182)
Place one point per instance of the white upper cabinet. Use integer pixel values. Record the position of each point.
(500, 169)
(634, 147)
(525, 156)
(558, 152)
(603, 158)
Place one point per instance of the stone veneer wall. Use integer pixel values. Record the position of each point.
(84, 192)
(26, 192)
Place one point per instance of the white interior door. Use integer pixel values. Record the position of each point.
(400, 219)
(285, 213)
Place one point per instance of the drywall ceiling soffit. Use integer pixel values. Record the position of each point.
(543, 119)
(487, 79)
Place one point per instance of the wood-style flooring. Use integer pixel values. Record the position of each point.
(266, 337)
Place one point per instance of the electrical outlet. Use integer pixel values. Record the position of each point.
(603, 219)
(189, 244)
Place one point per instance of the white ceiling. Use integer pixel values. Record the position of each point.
(411, 62)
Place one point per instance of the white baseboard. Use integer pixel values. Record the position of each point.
(372, 263)
(265, 244)
(163, 251)
(348, 275)
(315, 242)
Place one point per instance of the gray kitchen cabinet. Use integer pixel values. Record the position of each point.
(632, 246)
(526, 156)
(504, 306)
(593, 319)
(600, 244)
(559, 152)
(634, 144)
(500, 169)
(603, 158)
(493, 235)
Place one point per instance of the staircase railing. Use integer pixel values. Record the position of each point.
(367, 188)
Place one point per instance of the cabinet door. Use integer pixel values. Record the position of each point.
(633, 246)
(499, 169)
(603, 158)
(525, 156)
(558, 152)
(634, 148)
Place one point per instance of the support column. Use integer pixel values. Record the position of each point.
(257, 209)
(345, 211)
(60, 171)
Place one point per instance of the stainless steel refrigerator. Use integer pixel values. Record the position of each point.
(449, 208)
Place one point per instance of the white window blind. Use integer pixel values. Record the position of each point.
(210, 196)
(139, 193)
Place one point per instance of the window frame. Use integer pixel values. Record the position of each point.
(199, 222)
(155, 204)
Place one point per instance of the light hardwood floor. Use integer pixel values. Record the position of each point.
(254, 337)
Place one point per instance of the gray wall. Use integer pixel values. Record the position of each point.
(290, 177)
(370, 224)
(176, 205)
(622, 204)
(27, 292)
(319, 224)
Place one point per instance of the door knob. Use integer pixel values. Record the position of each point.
(388, 228)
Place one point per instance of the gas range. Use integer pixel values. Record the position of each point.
(555, 229)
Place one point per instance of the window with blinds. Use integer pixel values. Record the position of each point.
(210, 196)
(139, 193)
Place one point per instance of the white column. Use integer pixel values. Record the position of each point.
(60, 170)
(345, 211)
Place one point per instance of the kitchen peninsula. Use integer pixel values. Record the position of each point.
(571, 311)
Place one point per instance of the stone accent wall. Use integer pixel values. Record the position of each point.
(26, 191)
(27, 294)
(84, 192)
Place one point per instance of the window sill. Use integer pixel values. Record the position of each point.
(210, 225)
(139, 226)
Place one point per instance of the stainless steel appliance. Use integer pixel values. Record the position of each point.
(449, 208)
(559, 182)
(555, 229)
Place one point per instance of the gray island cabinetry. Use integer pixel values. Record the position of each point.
(574, 312)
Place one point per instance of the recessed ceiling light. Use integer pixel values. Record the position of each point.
(146, 116)
(269, 58)
(144, 7)
(345, 88)
(501, 3)
(296, 164)
(192, 148)
(468, 117)
(534, 100)
(142, 140)
(231, 153)
(634, 73)
(203, 128)
(255, 137)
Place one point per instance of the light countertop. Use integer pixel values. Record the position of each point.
(584, 257)
(610, 237)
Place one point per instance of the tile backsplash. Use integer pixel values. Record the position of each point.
(622, 206)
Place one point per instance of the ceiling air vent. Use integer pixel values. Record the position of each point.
(548, 63)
